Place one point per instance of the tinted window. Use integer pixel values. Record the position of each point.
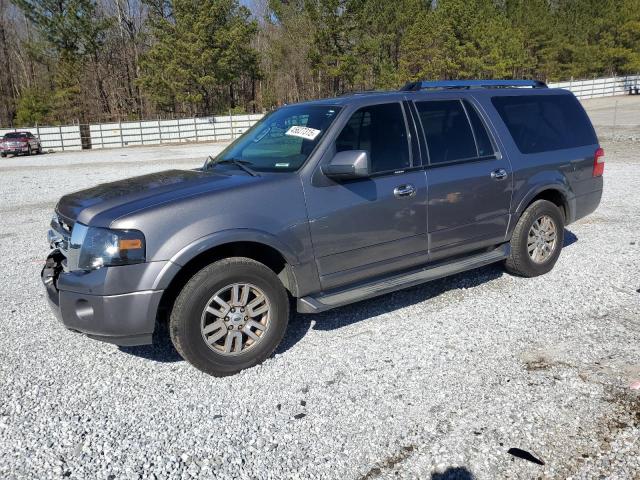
(447, 129)
(485, 147)
(381, 131)
(541, 123)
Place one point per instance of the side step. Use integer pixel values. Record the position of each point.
(327, 301)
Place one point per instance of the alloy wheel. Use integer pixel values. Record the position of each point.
(235, 319)
(542, 239)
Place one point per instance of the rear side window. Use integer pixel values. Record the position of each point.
(542, 123)
(449, 135)
(381, 131)
(485, 147)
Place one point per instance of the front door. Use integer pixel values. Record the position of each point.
(469, 181)
(368, 227)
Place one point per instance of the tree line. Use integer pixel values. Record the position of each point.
(65, 61)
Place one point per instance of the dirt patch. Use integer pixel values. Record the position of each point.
(389, 463)
(540, 361)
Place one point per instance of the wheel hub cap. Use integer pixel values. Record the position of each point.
(235, 319)
(542, 239)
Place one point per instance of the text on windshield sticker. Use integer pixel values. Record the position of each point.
(303, 132)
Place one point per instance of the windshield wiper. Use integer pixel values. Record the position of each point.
(242, 164)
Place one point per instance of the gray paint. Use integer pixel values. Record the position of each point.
(333, 234)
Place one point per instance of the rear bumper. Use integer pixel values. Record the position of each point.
(123, 319)
(585, 204)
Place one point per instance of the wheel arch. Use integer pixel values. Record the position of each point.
(192, 259)
(555, 193)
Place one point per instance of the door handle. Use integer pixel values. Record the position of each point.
(407, 190)
(499, 174)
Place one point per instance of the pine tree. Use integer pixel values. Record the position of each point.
(72, 34)
(201, 53)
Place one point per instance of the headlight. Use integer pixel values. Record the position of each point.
(103, 247)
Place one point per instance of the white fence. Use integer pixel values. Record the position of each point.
(55, 138)
(601, 87)
(228, 127)
(199, 129)
(126, 134)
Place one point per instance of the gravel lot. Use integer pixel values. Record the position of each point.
(435, 382)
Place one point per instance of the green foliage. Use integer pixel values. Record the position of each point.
(463, 39)
(71, 33)
(200, 52)
(188, 57)
(70, 27)
(33, 108)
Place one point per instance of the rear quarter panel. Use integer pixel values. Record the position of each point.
(568, 171)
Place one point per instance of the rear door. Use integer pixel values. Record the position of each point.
(368, 227)
(469, 180)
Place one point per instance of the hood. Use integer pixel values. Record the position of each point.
(106, 202)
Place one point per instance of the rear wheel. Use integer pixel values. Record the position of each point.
(537, 240)
(29, 150)
(230, 316)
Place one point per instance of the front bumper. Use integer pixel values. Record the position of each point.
(123, 319)
(14, 150)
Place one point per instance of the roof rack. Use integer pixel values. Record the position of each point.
(451, 84)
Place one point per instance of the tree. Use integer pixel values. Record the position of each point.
(201, 55)
(34, 107)
(462, 39)
(7, 85)
(73, 33)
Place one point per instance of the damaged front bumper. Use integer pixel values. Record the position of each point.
(79, 301)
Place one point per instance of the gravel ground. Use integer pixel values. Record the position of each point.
(435, 382)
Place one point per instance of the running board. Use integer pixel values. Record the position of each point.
(327, 301)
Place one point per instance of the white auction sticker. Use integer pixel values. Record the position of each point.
(303, 132)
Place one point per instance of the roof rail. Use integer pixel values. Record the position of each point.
(446, 84)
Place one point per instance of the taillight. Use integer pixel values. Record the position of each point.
(598, 163)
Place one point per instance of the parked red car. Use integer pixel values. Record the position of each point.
(20, 142)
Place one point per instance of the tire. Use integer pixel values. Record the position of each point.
(188, 321)
(29, 152)
(3, 155)
(520, 262)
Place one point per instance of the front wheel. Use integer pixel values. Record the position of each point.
(230, 316)
(537, 240)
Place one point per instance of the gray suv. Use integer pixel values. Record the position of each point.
(321, 204)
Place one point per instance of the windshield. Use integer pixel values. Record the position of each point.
(283, 140)
(14, 135)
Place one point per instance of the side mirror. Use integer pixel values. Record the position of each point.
(348, 165)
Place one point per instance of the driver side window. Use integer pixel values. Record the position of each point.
(381, 131)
